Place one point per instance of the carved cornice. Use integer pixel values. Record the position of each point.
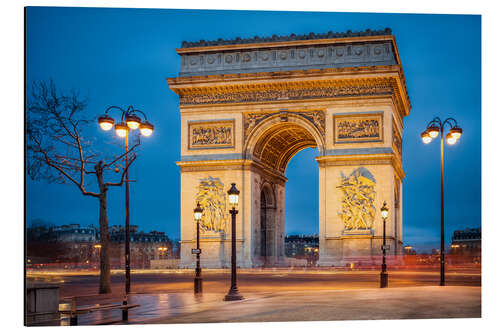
(204, 166)
(374, 159)
(178, 83)
(293, 85)
(287, 38)
(232, 164)
(287, 91)
(354, 159)
(287, 53)
(285, 94)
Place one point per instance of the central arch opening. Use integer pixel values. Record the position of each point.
(280, 143)
(301, 192)
(274, 146)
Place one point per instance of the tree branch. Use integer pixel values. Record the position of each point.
(82, 162)
(121, 156)
(49, 162)
(123, 173)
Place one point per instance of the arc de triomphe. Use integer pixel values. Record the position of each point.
(248, 105)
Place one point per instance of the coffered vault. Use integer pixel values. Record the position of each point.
(249, 105)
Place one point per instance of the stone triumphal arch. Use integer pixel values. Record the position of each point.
(248, 105)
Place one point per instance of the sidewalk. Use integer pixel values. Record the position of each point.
(360, 304)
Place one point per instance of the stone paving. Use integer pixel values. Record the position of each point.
(358, 304)
(362, 304)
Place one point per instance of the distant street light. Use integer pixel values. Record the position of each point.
(97, 247)
(198, 282)
(162, 251)
(233, 294)
(384, 276)
(129, 120)
(434, 128)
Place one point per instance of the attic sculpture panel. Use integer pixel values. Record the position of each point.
(211, 135)
(358, 128)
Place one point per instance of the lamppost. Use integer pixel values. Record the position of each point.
(434, 128)
(384, 211)
(233, 294)
(129, 120)
(198, 282)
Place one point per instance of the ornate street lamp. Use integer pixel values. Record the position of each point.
(384, 211)
(233, 294)
(106, 122)
(434, 128)
(129, 121)
(198, 282)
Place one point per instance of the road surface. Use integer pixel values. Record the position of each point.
(166, 296)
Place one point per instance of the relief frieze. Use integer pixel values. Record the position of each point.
(358, 128)
(213, 134)
(358, 209)
(284, 94)
(212, 198)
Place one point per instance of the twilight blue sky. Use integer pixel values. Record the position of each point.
(122, 57)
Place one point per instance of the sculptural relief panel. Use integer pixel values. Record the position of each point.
(212, 199)
(351, 128)
(212, 134)
(214, 97)
(358, 202)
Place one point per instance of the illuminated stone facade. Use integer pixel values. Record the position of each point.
(248, 106)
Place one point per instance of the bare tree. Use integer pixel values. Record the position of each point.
(58, 152)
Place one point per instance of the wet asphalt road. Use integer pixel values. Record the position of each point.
(249, 281)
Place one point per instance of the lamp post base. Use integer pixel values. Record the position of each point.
(384, 278)
(233, 295)
(198, 285)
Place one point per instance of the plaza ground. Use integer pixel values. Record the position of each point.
(166, 296)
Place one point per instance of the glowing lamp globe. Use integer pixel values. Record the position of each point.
(132, 121)
(105, 122)
(233, 195)
(146, 128)
(456, 132)
(450, 139)
(426, 138)
(198, 211)
(433, 131)
(384, 211)
(121, 130)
